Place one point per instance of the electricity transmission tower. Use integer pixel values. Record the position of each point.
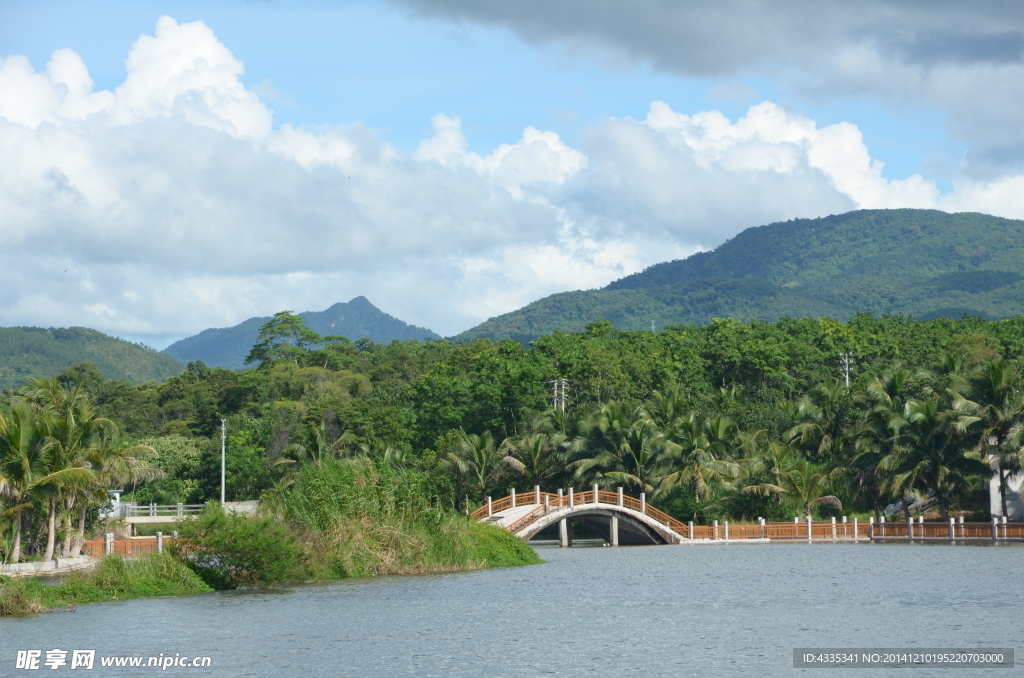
(844, 365)
(559, 394)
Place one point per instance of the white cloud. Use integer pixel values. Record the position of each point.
(172, 204)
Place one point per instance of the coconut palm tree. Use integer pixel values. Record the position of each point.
(816, 425)
(933, 453)
(538, 456)
(479, 460)
(992, 403)
(699, 454)
(22, 463)
(638, 461)
(808, 485)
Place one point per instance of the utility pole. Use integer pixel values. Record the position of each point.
(844, 364)
(223, 456)
(653, 331)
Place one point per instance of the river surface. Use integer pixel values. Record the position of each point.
(729, 610)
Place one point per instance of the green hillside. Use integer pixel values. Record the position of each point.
(38, 352)
(922, 263)
(228, 347)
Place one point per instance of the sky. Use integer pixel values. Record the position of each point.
(166, 167)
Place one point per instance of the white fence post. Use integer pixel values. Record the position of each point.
(714, 532)
(689, 530)
(952, 529)
(536, 494)
(159, 542)
(620, 497)
(643, 503)
(808, 528)
(513, 497)
(855, 530)
(596, 496)
(571, 498)
(833, 528)
(726, 528)
(490, 511)
(108, 543)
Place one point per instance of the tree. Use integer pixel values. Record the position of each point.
(283, 337)
(537, 456)
(932, 454)
(805, 483)
(992, 402)
(698, 454)
(479, 460)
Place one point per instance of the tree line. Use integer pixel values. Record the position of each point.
(729, 419)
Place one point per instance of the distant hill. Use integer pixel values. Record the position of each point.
(922, 263)
(228, 347)
(38, 352)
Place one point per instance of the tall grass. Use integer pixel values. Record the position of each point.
(365, 517)
(114, 578)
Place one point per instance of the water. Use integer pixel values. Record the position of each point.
(731, 610)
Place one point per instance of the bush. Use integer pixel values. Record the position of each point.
(231, 551)
(17, 597)
(492, 546)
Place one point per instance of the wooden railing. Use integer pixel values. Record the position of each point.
(818, 531)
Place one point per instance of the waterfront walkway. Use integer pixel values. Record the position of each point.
(628, 520)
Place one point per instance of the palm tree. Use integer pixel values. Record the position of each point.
(22, 463)
(805, 483)
(932, 454)
(698, 455)
(638, 460)
(816, 425)
(763, 472)
(992, 402)
(538, 456)
(479, 460)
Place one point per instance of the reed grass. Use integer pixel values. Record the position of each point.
(363, 517)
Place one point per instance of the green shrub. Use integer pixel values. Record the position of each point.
(18, 597)
(233, 551)
(494, 547)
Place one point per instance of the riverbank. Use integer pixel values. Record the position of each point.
(114, 578)
(157, 575)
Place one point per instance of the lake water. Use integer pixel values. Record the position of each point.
(730, 610)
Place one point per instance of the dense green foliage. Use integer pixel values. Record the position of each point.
(232, 551)
(113, 579)
(922, 263)
(350, 443)
(228, 347)
(37, 352)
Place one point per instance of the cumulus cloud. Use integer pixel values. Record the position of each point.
(963, 58)
(172, 203)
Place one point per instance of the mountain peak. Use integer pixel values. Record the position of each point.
(355, 319)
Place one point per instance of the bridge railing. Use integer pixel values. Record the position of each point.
(798, 530)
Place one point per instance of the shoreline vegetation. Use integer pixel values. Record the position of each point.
(339, 518)
(367, 458)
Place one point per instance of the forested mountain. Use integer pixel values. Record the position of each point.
(228, 347)
(922, 263)
(39, 352)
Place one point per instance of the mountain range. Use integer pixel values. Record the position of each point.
(922, 263)
(228, 347)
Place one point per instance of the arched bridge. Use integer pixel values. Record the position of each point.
(625, 519)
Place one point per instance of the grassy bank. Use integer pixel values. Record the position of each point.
(113, 579)
(338, 519)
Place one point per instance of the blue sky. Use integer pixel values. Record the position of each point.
(438, 216)
(331, 63)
